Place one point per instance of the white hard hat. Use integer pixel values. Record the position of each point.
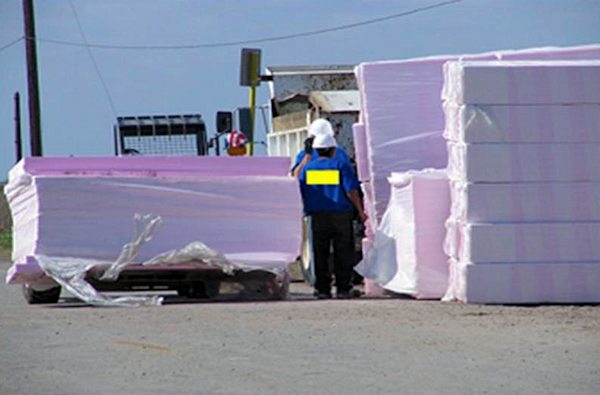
(319, 127)
(324, 141)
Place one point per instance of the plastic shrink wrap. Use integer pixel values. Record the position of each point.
(406, 254)
(482, 123)
(83, 208)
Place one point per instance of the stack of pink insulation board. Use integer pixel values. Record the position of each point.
(525, 216)
(402, 120)
(248, 208)
(406, 255)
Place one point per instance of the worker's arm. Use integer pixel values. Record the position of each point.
(355, 199)
(298, 169)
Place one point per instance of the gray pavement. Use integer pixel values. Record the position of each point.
(301, 346)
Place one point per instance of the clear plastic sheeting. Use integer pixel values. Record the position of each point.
(406, 255)
(71, 272)
(145, 226)
(551, 123)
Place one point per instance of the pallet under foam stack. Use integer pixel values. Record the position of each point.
(524, 168)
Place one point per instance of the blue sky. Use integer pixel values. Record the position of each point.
(77, 118)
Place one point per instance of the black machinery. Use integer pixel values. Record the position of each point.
(161, 135)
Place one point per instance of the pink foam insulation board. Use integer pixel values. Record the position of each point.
(527, 242)
(526, 283)
(522, 82)
(523, 146)
(554, 123)
(247, 208)
(536, 162)
(525, 202)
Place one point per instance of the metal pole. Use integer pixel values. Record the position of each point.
(32, 79)
(252, 107)
(116, 140)
(18, 144)
(255, 81)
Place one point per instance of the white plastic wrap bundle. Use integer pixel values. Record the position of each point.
(524, 153)
(406, 255)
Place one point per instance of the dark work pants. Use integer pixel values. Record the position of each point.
(336, 227)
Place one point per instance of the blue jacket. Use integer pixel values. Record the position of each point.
(331, 194)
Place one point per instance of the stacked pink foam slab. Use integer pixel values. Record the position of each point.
(555, 123)
(525, 202)
(406, 255)
(522, 82)
(528, 242)
(531, 162)
(152, 166)
(402, 112)
(525, 219)
(522, 283)
(247, 208)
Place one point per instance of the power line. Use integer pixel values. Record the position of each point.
(12, 43)
(255, 41)
(89, 50)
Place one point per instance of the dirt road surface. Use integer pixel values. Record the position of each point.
(299, 346)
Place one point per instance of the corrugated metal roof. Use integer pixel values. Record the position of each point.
(335, 101)
(327, 69)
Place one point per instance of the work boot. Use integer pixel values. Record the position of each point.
(352, 293)
(322, 295)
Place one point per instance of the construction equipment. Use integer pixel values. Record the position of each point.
(161, 135)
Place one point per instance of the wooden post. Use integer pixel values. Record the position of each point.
(32, 80)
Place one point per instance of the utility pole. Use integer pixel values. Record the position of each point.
(35, 131)
(18, 145)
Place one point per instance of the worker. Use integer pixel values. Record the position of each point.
(317, 128)
(329, 189)
(236, 143)
(236, 139)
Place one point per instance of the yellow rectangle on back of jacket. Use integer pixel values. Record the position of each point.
(322, 177)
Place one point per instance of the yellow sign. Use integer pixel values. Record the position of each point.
(322, 177)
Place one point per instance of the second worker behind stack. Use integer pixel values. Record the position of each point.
(329, 189)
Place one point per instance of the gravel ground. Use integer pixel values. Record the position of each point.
(299, 346)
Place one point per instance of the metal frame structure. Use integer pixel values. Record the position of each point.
(161, 135)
